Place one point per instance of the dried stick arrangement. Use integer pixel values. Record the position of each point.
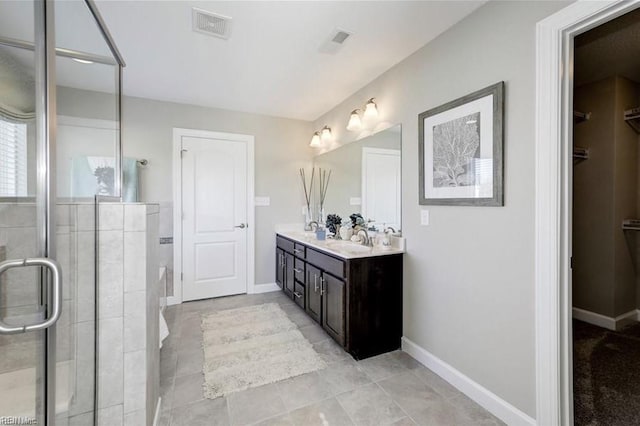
(307, 191)
(324, 185)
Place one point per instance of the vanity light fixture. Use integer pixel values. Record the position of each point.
(354, 121)
(371, 109)
(369, 116)
(326, 134)
(315, 140)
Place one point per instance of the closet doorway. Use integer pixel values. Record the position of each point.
(606, 223)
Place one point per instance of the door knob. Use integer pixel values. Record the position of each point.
(241, 226)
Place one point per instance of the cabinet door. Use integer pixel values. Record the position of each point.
(333, 312)
(288, 274)
(280, 267)
(314, 298)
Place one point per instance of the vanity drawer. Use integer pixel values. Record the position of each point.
(323, 261)
(284, 244)
(298, 271)
(299, 250)
(298, 295)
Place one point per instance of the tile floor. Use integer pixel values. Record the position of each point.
(390, 389)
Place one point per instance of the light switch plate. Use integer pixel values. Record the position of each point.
(262, 201)
(424, 217)
(355, 201)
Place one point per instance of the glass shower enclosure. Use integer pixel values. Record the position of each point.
(60, 84)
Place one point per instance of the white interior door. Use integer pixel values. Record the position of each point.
(381, 186)
(214, 217)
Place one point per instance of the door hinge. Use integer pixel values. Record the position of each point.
(181, 276)
(182, 151)
(571, 262)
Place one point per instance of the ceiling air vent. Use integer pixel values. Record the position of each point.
(335, 41)
(211, 23)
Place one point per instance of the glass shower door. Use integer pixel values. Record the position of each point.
(27, 293)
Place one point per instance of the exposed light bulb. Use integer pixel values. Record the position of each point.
(371, 109)
(315, 140)
(354, 121)
(326, 134)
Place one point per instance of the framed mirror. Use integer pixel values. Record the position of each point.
(366, 178)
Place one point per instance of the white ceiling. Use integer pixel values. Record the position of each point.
(271, 64)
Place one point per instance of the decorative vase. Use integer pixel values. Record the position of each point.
(308, 219)
(346, 233)
(321, 215)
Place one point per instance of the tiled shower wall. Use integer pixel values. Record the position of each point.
(128, 312)
(75, 251)
(127, 306)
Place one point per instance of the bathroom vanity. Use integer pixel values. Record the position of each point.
(354, 292)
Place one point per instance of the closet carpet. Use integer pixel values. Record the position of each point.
(606, 375)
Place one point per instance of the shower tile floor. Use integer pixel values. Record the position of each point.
(390, 389)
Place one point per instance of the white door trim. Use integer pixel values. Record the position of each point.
(178, 133)
(553, 162)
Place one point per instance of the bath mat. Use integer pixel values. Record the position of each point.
(253, 346)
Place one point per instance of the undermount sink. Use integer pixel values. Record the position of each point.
(347, 246)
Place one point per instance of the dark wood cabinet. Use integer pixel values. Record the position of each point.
(333, 307)
(358, 301)
(289, 279)
(280, 267)
(314, 298)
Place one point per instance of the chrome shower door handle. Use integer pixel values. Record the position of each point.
(55, 290)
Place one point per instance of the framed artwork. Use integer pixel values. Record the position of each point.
(461, 150)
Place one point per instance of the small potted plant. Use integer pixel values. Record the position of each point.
(357, 221)
(333, 223)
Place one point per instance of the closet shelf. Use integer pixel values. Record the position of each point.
(632, 117)
(581, 116)
(631, 224)
(580, 153)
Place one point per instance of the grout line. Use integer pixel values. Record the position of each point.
(394, 401)
(344, 409)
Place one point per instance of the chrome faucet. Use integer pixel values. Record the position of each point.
(310, 225)
(366, 241)
(389, 228)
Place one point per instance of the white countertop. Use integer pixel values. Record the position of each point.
(345, 249)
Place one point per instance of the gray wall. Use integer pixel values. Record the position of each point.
(281, 148)
(469, 275)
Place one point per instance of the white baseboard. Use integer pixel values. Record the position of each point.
(264, 288)
(156, 416)
(173, 300)
(604, 321)
(481, 395)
